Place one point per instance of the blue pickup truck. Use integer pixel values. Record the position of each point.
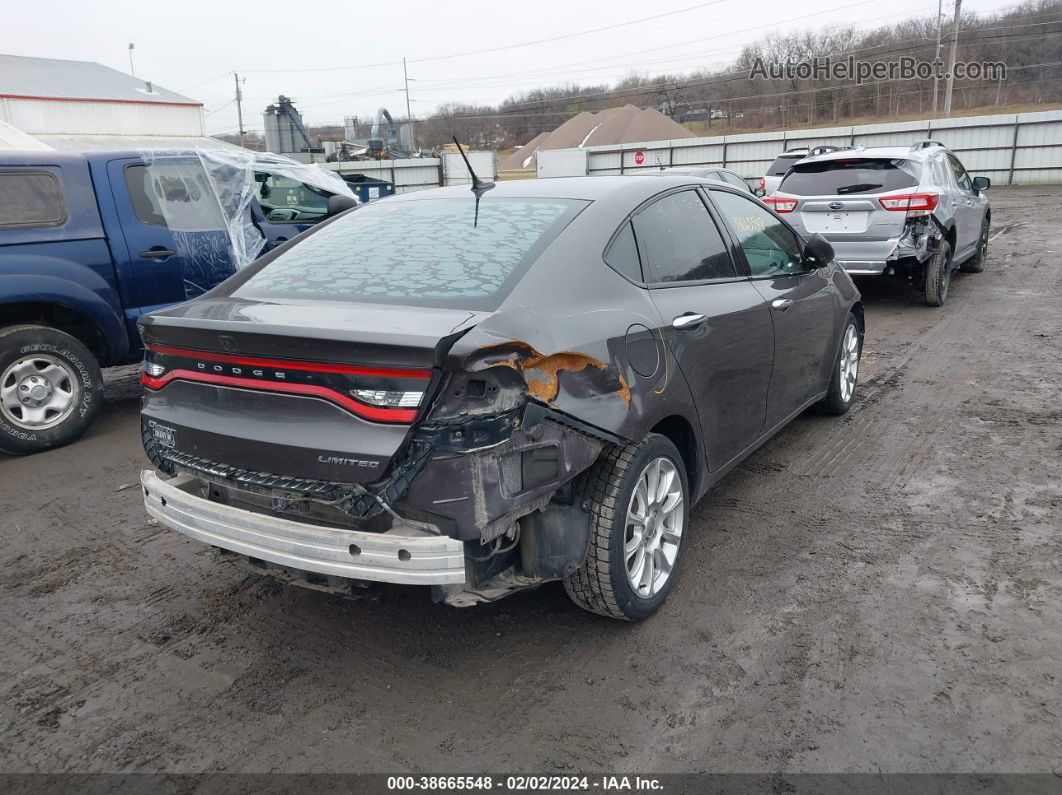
(90, 242)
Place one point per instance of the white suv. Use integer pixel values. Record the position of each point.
(909, 211)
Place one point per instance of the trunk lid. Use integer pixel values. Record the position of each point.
(304, 389)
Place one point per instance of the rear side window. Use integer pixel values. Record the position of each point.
(31, 198)
(681, 241)
(427, 252)
(622, 255)
(782, 164)
(850, 176)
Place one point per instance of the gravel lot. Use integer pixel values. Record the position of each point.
(881, 592)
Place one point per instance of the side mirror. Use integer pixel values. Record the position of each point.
(818, 252)
(339, 203)
(759, 192)
(981, 183)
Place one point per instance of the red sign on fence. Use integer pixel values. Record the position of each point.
(639, 158)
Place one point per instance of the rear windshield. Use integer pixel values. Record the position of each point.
(850, 176)
(782, 163)
(429, 252)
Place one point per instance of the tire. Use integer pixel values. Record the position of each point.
(151, 450)
(51, 389)
(976, 263)
(845, 379)
(602, 585)
(938, 275)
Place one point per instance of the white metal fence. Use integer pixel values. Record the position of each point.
(422, 172)
(1011, 149)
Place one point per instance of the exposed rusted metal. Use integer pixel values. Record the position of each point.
(542, 371)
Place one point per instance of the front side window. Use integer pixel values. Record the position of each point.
(422, 252)
(961, 177)
(771, 248)
(681, 241)
(286, 200)
(30, 198)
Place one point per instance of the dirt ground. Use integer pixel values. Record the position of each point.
(880, 592)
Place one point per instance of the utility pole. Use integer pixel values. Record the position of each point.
(239, 105)
(132, 71)
(936, 58)
(409, 113)
(951, 61)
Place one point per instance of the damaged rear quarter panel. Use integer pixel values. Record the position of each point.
(563, 340)
(564, 331)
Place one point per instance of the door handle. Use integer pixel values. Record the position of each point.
(158, 252)
(781, 304)
(688, 320)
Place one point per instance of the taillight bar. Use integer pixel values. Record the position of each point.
(780, 205)
(381, 394)
(289, 364)
(911, 203)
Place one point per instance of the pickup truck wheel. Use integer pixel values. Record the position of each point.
(51, 389)
(639, 508)
(845, 377)
(938, 275)
(976, 263)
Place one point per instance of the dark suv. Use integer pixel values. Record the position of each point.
(482, 393)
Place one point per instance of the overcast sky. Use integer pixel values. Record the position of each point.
(350, 52)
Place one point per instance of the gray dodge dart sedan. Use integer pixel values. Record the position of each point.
(482, 391)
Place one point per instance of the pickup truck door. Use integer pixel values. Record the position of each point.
(164, 265)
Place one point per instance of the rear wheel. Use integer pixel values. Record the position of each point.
(51, 389)
(845, 370)
(639, 507)
(976, 263)
(938, 275)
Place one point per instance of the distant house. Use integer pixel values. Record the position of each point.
(81, 105)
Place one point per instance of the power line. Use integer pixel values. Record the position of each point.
(571, 35)
(489, 49)
(983, 84)
(676, 84)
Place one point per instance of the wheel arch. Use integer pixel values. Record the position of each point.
(77, 324)
(680, 432)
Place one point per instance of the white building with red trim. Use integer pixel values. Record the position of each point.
(81, 105)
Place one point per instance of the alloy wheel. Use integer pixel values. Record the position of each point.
(653, 531)
(849, 365)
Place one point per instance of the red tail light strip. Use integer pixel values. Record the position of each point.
(780, 205)
(910, 202)
(361, 409)
(289, 364)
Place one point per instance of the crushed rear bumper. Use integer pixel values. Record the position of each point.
(404, 554)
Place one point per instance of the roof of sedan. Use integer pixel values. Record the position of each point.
(585, 188)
